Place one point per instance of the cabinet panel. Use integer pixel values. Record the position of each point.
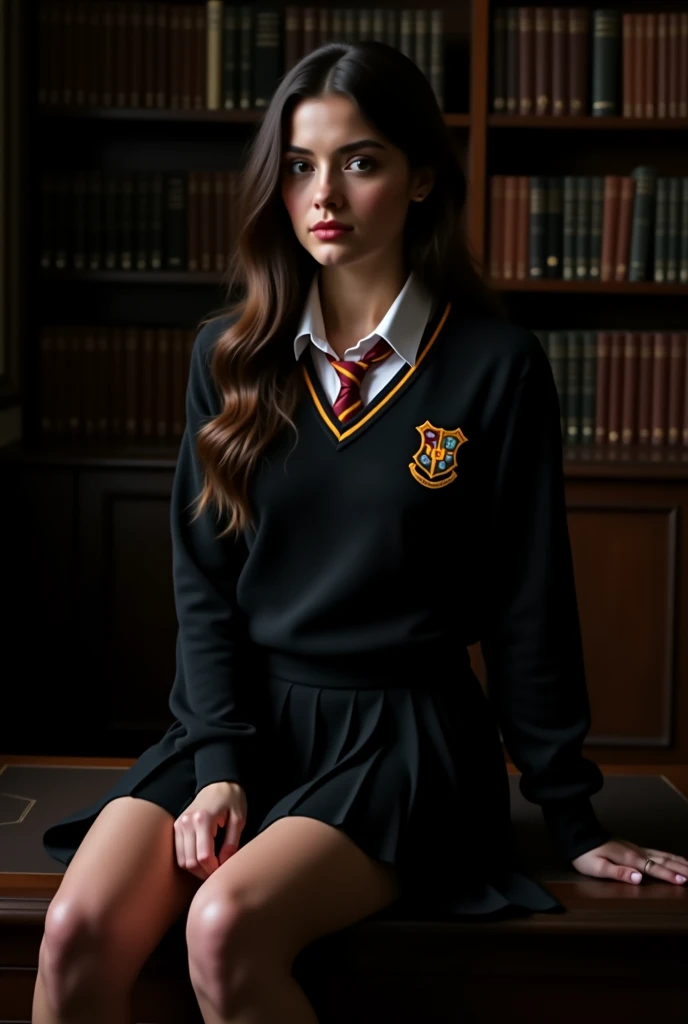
(41, 655)
(126, 606)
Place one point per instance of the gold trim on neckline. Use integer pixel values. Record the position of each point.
(383, 401)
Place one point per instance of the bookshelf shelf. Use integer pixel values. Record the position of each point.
(594, 287)
(586, 122)
(453, 120)
(190, 277)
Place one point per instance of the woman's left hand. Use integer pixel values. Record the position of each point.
(625, 862)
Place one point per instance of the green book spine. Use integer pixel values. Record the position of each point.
(683, 254)
(643, 208)
(554, 226)
(606, 45)
(673, 234)
(661, 208)
(582, 232)
(557, 359)
(569, 229)
(175, 222)
(596, 219)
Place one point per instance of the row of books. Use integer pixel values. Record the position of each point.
(605, 62)
(212, 56)
(145, 220)
(114, 383)
(620, 387)
(582, 227)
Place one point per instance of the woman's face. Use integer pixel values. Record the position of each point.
(367, 187)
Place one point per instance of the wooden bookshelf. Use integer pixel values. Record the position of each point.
(106, 137)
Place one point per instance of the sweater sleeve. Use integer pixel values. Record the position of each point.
(205, 695)
(532, 646)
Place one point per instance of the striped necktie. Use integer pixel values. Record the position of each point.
(351, 373)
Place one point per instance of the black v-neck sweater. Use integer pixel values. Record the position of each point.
(433, 519)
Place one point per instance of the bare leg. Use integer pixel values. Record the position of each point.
(279, 999)
(121, 892)
(297, 880)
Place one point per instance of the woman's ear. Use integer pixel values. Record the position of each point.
(422, 184)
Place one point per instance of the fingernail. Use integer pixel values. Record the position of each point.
(680, 878)
(636, 876)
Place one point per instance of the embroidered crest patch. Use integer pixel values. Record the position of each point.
(433, 464)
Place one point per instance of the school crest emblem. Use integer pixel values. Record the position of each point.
(434, 463)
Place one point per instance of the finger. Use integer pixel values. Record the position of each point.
(230, 843)
(205, 844)
(671, 860)
(190, 857)
(179, 849)
(654, 870)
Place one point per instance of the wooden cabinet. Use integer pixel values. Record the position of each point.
(91, 624)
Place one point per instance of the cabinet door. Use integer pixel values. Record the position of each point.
(125, 607)
(40, 653)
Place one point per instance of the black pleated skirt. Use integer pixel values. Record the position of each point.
(414, 775)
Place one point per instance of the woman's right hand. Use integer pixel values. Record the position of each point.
(218, 805)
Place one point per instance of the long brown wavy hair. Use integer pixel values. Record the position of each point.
(270, 272)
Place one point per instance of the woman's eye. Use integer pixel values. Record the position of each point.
(357, 160)
(366, 160)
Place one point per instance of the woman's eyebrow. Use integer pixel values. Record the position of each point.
(342, 149)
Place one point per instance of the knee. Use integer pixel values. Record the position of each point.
(70, 939)
(223, 937)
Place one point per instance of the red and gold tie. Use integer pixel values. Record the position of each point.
(351, 373)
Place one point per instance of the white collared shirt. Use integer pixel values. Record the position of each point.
(402, 326)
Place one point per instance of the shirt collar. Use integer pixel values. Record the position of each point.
(402, 325)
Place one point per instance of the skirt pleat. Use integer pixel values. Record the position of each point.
(414, 775)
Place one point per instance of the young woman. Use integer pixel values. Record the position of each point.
(374, 457)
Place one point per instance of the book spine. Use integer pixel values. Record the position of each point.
(543, 60)
(554, 227)
(522, 215)
(643, 207)
(645, 387)
(662, 64)
(596, 217)
(510, 225)
(629, 388)
(660, 246)
(683, 251)
(650, 64)
(638, 30)
(673, 235)
(623, 239)
(538, 226)
(497, 219)
(574, 355)
(578, 35)
(568, 258)
(588, 387)
(498, 67)
(677, 371)
(512, 69)
(605, 58)
(582, 234)
(560, 63)
(526, 47)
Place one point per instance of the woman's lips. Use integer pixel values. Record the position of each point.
(328, 234)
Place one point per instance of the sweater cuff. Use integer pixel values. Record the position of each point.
(574, 827)
(216, 761)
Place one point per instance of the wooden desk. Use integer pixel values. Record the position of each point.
(618, 955)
